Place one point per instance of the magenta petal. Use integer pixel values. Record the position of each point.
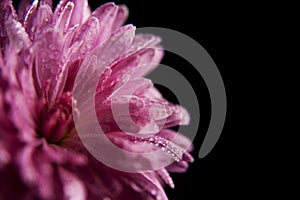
(28, 171)
(165, 176)
(64, 19)
(21, 114)
(18, 39)
(180, 167)
(29, 20)
(177, 138)
(180, 116)
(23, 8)
(49, 2)
(149, 183)
(42, 53)
(121, 17)
(146, 64)
(135, 64)
(85, 36)
(44, 18)
(48, 66)
(103, 55)
(106, 15)
(81, 12)
(72, 186)
(5, 157)
(142, 41)
(7, 10)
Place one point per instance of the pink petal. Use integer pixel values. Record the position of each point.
(18, 39)
(142, 41)
(21, 114)
(165, 176)
(95, 62)
(43, 19)
(60, 155)
(27, 169)
(72, 186)
(149, 183)
(29, 19)
(23, 8)
(136, 64)
(86, 35)
(177, 138)
(63, 21)
(7, 10)
(180, 167)
(49, 2)
(5, 157)
(81, 12)
(121, 17)
(106, 15)
(47, 49)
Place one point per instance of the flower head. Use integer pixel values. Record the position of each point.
(42, 52)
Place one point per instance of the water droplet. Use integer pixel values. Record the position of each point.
(83, 49)
(55, 70)
(139, 103)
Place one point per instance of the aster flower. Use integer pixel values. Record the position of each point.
(41, 154)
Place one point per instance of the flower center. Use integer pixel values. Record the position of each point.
(55, 123)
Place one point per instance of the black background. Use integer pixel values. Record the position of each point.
(218, 27)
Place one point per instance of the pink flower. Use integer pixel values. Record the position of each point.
(41, 154)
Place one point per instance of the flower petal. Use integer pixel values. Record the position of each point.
(106, 15)
(121, 17)
(47, 55)
(102, 56)
(73, 188)
(63, 21)
(80, 14)
(23, 8)
(29, 19)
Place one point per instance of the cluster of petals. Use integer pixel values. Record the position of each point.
(41, 154)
